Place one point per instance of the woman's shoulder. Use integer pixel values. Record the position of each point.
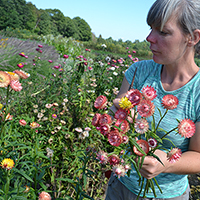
(145, 68)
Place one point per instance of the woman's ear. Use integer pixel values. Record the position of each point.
(192, 41)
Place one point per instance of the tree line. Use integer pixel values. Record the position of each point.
(19, 14)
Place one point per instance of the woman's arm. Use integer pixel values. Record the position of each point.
(189, 163)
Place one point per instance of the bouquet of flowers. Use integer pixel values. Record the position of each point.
(131, 134)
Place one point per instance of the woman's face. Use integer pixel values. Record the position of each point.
(169, 45)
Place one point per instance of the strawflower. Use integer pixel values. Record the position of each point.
(4, 79)
(105, 119)
(20, 65)
(149, 92)
(44, 196)
(145, 108)
(114, 137)
(141, 125)
(16, 85)
(174, 155)
(100, 102)
(34, 125)
(22, 122)
(134, 96)
(123, 125)
(121, 114)
(186, 128)
(13, 76)
(124, 103)
(22, 74)
(54, 116)
(119, 170)
(170, 102)
(113, 159)
(7, 163)
(152, 142)
(102, 157)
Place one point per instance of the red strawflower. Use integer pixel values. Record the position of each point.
(105, 119)
(134, 96)
(170, 102)
(113, 159)
(95, 119)
(114, 137)
(145, 108)
(174, 155)
(121, 114)
(149, 93)
(123, 125)
(104, 129)
(186, 128)
(100, 102)
(144, 145)
(44, 196)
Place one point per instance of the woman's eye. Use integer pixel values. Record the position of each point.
(163, 33)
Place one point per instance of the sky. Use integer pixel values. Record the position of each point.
(118, 19)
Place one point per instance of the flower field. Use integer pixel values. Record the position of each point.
(48, 144)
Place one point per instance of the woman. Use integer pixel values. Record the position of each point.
(174, 40)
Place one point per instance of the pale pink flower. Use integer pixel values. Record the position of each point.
(78, 129)
(48, 105)
(102, 157)
(186, 128)
(22, 74)
(170, 102)
(149, 93)
(141, 125)
(22, 122)
(9, 117)
(44, 196)
(16, 85)
(145, 108)
(119, 170)
(4, 79)
(174, 155)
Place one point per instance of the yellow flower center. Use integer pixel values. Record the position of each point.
(124, 103)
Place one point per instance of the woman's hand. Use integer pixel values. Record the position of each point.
(152, 167)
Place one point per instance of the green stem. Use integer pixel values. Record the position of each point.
(161, 119)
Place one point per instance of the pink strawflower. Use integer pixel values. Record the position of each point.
(123, 125)
(145, 108)
(100, 102)
(22, 122)
(141, 125)
(16, 85)
(44, 196)
(113, 159)
(119, 170)
(54, 116)
(114, 137)
(149, 93)
(22, 54)
(134, 96)
(170, 102)
(90, 68)
(56, 67)
(20, 65)
(121, 114)
(95, 119)
(152, 142)
(105, 119)
(102, 157)
(50, 61)
(186, 128)
(40, 46)
(65, 56)
(174, 155)
(134, 51)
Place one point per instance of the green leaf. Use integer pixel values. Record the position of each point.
(23, 174)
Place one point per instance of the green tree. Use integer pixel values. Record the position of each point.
(83, 28)
(45, 25)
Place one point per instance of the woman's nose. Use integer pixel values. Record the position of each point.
(150, 38)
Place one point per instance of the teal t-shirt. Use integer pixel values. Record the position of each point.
(149, 73)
